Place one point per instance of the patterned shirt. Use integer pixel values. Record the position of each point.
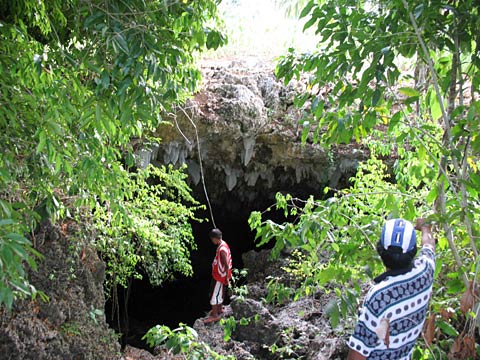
(401, 301)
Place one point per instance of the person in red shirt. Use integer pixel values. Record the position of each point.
(221, 275)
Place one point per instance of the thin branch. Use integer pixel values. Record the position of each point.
(447, 136)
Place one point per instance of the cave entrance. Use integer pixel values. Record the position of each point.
(142, 306)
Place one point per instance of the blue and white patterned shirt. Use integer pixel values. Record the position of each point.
(403, 301)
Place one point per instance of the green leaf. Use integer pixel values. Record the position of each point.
(307, 9)
(395, 120)
(305, 131)
(214, 40)
(418, 11)
(408, 91)
(309, 23)
(333, 312)
(105, 80)
(432, 195)
(6, 208)
(335, 247)
(435, 108)
(8, 298)
(447, 328)
(119, 39)
(18, 238)
(93, 18)
(124, 85)
(42, 140)
(327, 274)
(455, 285)
(4, 222)
(20, 251)
(3, 293)
(376, 96)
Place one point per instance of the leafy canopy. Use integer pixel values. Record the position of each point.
(82, 84)
(401, 78)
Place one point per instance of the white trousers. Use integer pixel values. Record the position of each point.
(217, 294)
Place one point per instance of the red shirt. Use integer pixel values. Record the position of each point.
(219, 271)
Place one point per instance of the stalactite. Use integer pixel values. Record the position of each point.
(231, 177)
(248, 147)
(251, 178)
(145, 156)
(194, 170)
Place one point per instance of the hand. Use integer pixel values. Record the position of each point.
(426, 229)
(422, 224)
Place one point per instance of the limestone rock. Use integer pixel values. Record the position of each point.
(212, 334)
(298, 329)
(260, 323)
(67, 326)
(244, 127)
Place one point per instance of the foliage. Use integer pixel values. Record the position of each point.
(71, 328)
(400, 77)
(292, 8)
(157, 235)
(229, 325)
(82, 82)
(93, 313)
(15, 249)
(277, 292)
(283, 349)
(183, 340)
(238, 278)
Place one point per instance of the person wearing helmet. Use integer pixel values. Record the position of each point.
(394, 310)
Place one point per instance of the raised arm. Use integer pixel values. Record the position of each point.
(426, 229)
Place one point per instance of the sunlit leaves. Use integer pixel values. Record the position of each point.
(407, 89)
(154, 233)
(410, 92)
(182, 340)
(79, 82)
(15, 250)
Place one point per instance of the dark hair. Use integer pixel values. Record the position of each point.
(215, 233)
(394, 258)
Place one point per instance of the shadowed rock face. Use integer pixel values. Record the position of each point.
(249, 139)
(71, 325)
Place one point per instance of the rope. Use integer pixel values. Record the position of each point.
(202, 175)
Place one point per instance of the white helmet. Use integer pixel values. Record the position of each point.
(399, 233)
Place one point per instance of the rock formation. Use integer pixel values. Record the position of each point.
(244, 132)
(71, 324)
(247, 131)
(293, 330)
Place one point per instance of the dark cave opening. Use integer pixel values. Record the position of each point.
(186, 299)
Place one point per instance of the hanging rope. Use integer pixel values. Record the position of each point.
(202, 175)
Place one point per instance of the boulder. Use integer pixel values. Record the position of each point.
(260, 326)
